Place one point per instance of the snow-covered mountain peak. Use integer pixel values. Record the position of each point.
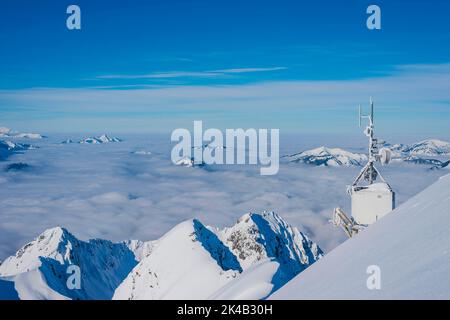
(256, 237)
(141, 249)
(103, 266)
(185, 162)
(14, 146)
(191, 261)
(188, 262)
(52, 243)
(8, 133)
(324, 156)
(8, 148)
(188, 162)
(429, 147)
(104, 138)
(8, 144)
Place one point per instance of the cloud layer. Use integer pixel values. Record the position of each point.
(107, 191)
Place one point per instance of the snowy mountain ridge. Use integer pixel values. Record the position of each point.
(188, 262)
(256, 237)
(209, 259)
(8, 133)
(8, 148)
(104, 138)
(39, 269)
(429, 147)
(417, 153)
(191, 261)
(323, 156)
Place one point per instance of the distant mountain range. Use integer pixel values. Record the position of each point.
(8, 148)
(8, 133)
(104, 138)
(430, 147)
(417, 153)
(324, 156)
(101, 139)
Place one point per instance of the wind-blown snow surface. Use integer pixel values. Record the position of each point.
(411, 246)
(106, 191)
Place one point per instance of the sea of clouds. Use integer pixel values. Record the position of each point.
(132, 190)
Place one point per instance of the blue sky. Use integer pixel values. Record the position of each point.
(301, 66)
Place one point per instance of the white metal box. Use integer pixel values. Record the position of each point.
(370, 203)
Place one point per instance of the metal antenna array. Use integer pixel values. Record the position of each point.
(370, 172)
(370, 201)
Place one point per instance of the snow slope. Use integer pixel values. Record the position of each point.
(411, 246)
(189, 262)
(196, 262)
(253, 284)
(39, 269)
(324, 156)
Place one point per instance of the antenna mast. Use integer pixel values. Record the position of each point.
(369, 172)
(370, 201)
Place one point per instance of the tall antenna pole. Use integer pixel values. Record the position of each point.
(371, 146)
(369, 171)
(371, 109)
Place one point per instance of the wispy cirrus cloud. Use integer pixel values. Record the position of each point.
(190, 74)
(248, 70)
(161, 75)
(410, 99)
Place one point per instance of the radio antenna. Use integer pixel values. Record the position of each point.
(370, 201)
